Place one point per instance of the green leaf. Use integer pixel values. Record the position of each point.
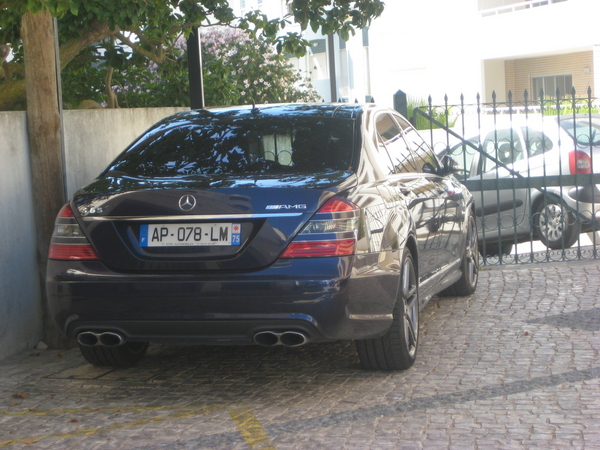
(74, 8)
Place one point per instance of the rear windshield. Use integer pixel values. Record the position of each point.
(585, 131)
(262, 146)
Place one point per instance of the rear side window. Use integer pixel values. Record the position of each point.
(425, 159)
(536, 141)
(393, 152)
(221, 147)
(586, 131)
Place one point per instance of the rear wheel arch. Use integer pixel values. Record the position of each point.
(411, 244)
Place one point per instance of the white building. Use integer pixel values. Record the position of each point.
(470, 47)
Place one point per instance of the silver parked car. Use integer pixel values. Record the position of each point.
(530, 178)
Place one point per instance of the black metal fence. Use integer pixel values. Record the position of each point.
(533, 167)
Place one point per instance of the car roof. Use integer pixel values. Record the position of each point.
(338, 110)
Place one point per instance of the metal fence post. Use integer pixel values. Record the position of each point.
(401, 103)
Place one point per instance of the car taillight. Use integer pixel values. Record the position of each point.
(68, 241)
(332, 231)
(579, 162)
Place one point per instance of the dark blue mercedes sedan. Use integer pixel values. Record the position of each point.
(269, 225)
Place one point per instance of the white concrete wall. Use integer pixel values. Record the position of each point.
(20, 307)
(92, 139)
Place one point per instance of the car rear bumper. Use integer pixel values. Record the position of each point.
(585, 200)
(351, 298)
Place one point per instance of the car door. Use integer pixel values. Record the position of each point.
(502, 206)
(419, 190)
(450, 202)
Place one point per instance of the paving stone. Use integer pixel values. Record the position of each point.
(513, 366)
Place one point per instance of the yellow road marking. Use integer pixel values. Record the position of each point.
(247, 424)
(91, 431)
(251, 430)
(96, 410)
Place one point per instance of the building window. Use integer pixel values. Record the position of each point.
(549, 84)
(318, 46)
(242, 4)
(494, 7)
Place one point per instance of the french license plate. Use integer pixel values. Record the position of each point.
(189, 234)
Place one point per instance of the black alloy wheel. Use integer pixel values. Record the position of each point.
(397, 349)
(467, 283)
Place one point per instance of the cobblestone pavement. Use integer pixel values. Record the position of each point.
(514, 366)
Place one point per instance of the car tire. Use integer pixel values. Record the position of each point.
(125, 355)
(397, 348)
(556, 227)
(469, 266)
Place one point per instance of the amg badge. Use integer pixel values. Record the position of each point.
(286, 206)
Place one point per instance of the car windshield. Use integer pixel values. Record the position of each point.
(222, 147)
(585, 130)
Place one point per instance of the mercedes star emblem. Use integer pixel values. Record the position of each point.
(187, 202)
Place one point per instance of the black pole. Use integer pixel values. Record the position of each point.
(195, 70)
(332, 74)
(401, 103)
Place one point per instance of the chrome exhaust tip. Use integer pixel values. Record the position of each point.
(88, 339)
(293, 339)
(287, 338)
(266, 338)
(110, 339)
(105, 339)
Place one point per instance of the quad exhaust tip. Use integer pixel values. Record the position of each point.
(287, 338)
(104, 339)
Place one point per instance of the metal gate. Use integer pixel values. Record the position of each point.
(533, 168)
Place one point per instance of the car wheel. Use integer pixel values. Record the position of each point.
(556, 227)
(397, 349)
(467, 283)
(125, 355)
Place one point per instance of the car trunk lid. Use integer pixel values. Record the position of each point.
(191, 225)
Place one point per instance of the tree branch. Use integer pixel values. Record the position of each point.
(95, 32)
(12, 93)
(138, 49)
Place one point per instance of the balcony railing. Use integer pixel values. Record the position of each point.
(502, 7)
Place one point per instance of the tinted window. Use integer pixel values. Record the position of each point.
(504, 145)
(423, 153)
(393, 151)
(584, 130)
(241, 146)
(463, 154)
(536, 141)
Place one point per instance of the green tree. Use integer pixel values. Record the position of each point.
(150, 28)
(27, 27)
(238, 69)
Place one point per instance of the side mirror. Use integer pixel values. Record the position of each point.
(450, 165)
